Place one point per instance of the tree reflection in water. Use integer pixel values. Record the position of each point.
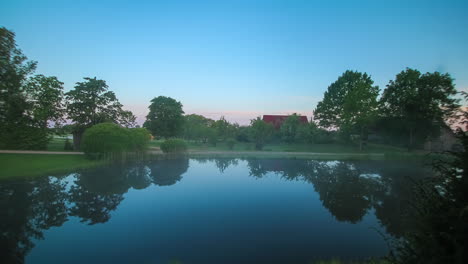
(46, 202)
(347, 189)
(39, 205)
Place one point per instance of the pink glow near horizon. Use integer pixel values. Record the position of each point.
(240, 117)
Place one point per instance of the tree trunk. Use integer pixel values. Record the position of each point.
(361, 139)
(410, 145)
(77, 135)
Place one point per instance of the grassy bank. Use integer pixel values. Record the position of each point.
(338, 149)
(32, 165)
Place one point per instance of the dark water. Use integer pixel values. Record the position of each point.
(208, 211)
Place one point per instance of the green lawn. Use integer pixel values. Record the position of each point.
(57, 144)
(30, 165)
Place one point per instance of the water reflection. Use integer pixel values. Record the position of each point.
(26, 209)
(348, 190)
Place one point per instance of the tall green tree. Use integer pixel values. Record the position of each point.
(260, 132)
(91, 103)
(290, 128)
(165, 118)
(349, 104)
(45, 97)
(418, 103)
(196, 127)
(14, 70)
(27, 104)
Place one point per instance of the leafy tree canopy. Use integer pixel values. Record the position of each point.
(260, 132)
(418, 102)
(91, 103)
(165, 118)
(347, 101)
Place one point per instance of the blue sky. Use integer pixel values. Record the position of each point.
(240, 58)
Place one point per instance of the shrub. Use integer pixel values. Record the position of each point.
(212, 140)
(173, 146)
(230, 143)
(111, 140)
(105, 139)
(139, 139)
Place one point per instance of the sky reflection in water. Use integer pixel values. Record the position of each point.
(208, 211)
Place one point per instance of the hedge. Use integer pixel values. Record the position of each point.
(109, 140)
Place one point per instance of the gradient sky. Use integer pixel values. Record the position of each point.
(240, 58)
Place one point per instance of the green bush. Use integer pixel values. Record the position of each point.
(230, 143)
(108, 140)
(173, 146)
(140, 138)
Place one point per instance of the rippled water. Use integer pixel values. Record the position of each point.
(208, 211)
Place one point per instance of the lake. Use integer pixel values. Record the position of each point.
(208, 211)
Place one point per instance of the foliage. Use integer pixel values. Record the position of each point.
(165, 118)
(26, 105)
(243, 134)
(212, 136)
(349, 104)
(416, 104)
(139, 139)
(90, 103)
(230, 143)
(196, 127)
(260, 132)
(45, 95)
(174, 146)
(290, 128)
(440, 213)
(109, 140)
(224, 129)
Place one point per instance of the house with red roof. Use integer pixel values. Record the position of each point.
(277, 120)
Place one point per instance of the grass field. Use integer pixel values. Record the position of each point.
(57, 144)
(30, 165)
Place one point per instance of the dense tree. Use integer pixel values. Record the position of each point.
(260, 132)
(91, 103)
(224, 129)
(14, 70)
(196, 127)
(165, 118)
(27, 105)
(349, 104)
(291, 128)
(439, 214)
(417, 104)
(45, 95)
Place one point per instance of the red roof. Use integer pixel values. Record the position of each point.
(277, 120)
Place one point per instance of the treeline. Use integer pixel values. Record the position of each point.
(31, 104)
(166, 119)
(412, 109)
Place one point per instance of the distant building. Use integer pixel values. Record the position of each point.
(277, 120)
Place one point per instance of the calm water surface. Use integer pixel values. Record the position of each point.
(207, 211)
